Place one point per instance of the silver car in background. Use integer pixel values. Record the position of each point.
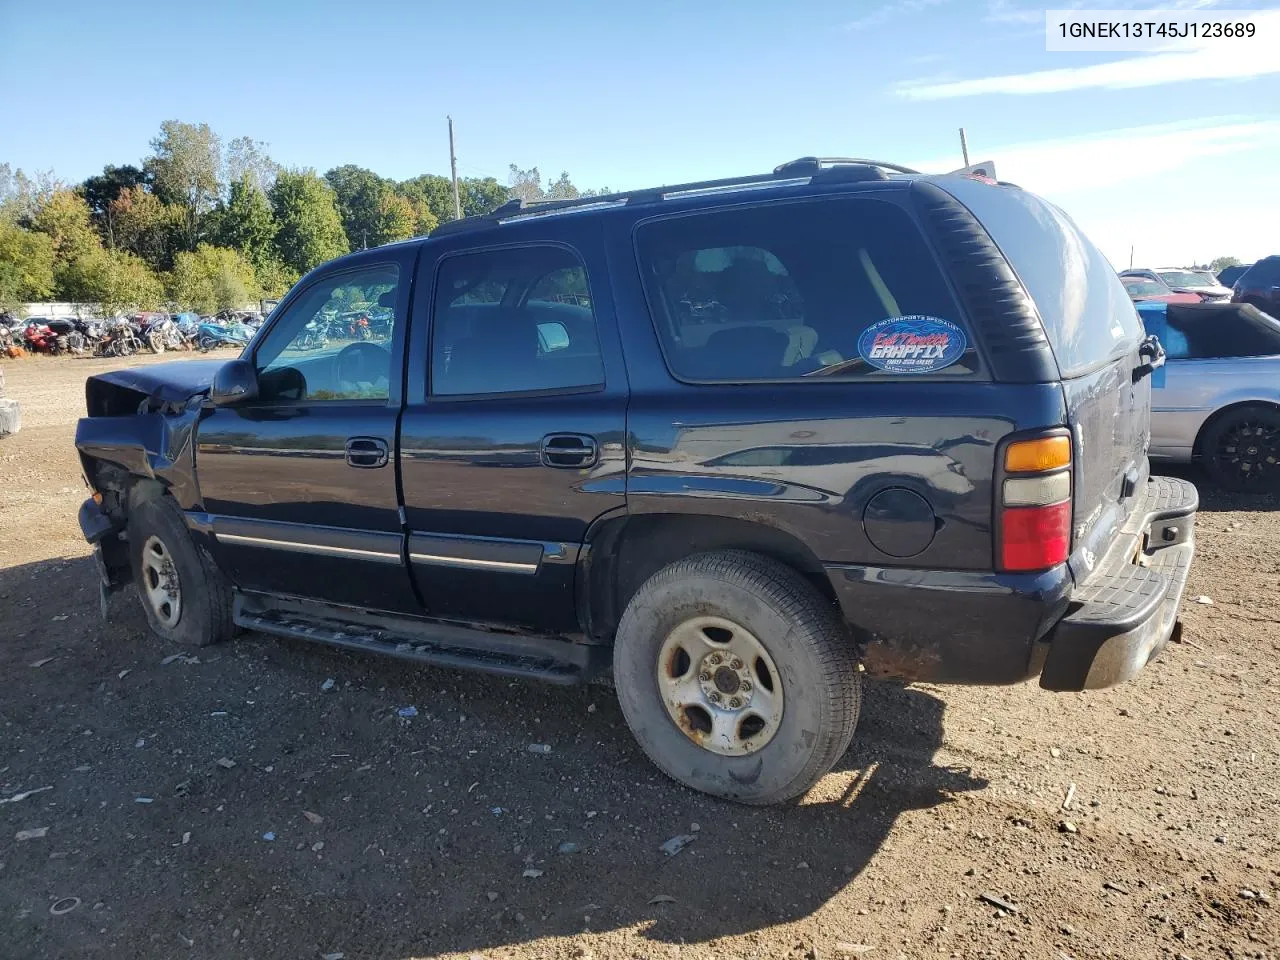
(1217, 397)
(1182, 280)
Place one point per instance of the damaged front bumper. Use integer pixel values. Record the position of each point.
(109, 550)
(1124, 613)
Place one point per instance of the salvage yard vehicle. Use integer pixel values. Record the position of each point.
(1217, 399)
(904, 430)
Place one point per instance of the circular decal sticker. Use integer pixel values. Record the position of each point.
(912, 344)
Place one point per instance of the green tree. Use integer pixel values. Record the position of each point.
(143, 225)
(310, 228)
(21, 196)
(275, 279)
(246, 223)
(1218, 264)
(433, 192)
(65, 217)
(397, 218)
(26, 265)
(115, 280)
(563, 189)
(525, 185)
(424, 221)
(210, 279)
(481, 195)
(99, 191)
(247, 160)
(359, 195)
(185, 168)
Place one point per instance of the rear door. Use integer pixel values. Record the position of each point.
(511, 442)
(1094, 331)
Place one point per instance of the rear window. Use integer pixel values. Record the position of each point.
(1087, 314)
(831, 288)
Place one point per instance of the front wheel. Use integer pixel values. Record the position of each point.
(1241, 450)
(737, 677)
(184, 595)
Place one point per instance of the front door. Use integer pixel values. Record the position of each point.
(512, 437)
(300, 483)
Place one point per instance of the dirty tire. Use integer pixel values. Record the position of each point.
(803, 635)
(10, 417)
(205, 611)
(1227, 441)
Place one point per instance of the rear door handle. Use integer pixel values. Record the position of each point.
(367, 452)
(569, 450)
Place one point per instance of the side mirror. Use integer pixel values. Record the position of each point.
(235, 382)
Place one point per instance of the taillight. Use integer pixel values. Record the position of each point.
(1035, 504)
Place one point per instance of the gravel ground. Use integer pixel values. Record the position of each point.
(227, 805)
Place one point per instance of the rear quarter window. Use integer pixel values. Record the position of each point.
(1088, 316)
(831, 288)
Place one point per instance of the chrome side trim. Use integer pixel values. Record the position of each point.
(298, 547)
(474, 564)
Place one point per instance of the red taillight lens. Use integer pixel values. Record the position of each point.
(1035, 538)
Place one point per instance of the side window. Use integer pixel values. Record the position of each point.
(830, 288)
(513, 321)
(334, 341)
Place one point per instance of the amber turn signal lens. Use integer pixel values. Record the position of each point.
(1031, 456)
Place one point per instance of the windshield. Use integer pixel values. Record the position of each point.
(1187, 278)
(1141, 287)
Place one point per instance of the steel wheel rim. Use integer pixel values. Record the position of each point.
(1250, 451)
(720, 686)
(160, 582)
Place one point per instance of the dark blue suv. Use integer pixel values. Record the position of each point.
(734, 442)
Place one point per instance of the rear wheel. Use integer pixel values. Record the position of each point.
(737, 677)
(184, 595)
(1241, 450)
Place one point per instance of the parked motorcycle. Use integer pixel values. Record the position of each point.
(68, 336)
(38, 338)
(213, 335)
(119, 339)
(160, 333)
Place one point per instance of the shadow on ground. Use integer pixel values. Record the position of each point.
(426, 826)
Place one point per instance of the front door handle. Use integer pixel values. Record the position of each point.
(569, 450)
(367, 452)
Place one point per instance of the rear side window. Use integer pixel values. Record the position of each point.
(513, 320)
(1087, 315)
(831, 288)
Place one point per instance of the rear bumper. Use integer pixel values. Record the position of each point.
(975, 627)
(1125, 612)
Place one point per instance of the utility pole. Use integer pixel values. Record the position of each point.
(1131, 256)
(453, 167)
(964, 147)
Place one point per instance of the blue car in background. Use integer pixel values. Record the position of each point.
(1217, 398)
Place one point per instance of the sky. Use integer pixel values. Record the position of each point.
(1175, 153)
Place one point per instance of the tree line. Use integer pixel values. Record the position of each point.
(204, 225)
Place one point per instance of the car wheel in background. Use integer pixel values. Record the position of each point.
(1241, 449)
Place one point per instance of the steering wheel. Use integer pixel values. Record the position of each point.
(361, 362)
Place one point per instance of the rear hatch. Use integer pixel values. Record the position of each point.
(1095, 334)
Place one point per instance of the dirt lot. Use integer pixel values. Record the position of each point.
(344, 829)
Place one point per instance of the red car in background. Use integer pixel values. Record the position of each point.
(1143, 289)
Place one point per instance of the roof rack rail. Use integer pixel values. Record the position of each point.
(836, 168)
